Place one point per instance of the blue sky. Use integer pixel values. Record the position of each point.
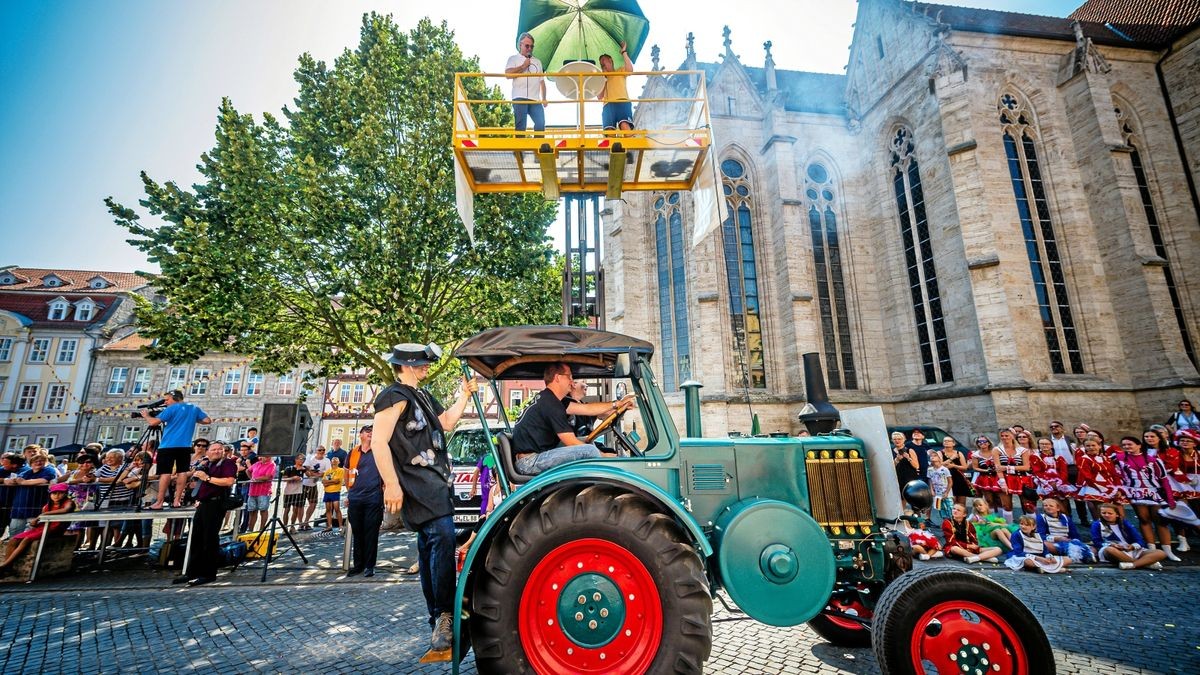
(95, 92)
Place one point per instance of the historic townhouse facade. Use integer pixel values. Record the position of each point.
(51, 323)
(225, 386)
(989, 219)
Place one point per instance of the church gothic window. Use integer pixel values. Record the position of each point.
(1041, 244)
(1156, 235)
(831, 285)
(918, 259)
(675, 351)
(741, 270)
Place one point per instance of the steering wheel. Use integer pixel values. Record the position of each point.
(605, 424)
(610, 423)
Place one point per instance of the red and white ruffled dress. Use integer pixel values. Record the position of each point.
(1183, 474)
(1097, 479)
(986, 478)
(1050, 476)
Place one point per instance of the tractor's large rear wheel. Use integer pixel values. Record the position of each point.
(592, 580)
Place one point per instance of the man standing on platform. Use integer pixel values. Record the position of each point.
(527, 89)
(410, 452)
(364, 500)
(179, 420)
(617, 112)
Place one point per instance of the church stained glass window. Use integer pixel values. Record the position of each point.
(741, 271)
(1156, 235)
(918, 260)
(675, 349)
(1041, 243)
(840, 372)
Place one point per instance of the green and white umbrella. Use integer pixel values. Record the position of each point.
(582, 30)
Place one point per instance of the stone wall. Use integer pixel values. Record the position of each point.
(945, 88)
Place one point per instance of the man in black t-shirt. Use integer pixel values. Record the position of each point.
(410, 454)
(544, 437)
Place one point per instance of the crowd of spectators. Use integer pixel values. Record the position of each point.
(1135, 500)
(95, 479)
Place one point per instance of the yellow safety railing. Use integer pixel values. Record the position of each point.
(574, 153)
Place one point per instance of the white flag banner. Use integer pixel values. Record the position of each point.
(464, 199)
(464, 196)
(709, 202)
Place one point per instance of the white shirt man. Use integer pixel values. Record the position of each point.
(526, 89)
(1062, 445)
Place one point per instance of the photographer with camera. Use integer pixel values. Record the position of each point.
(179, 421)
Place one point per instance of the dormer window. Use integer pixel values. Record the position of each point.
(99, 282)
(84, 310)
(52, 281)
(58, 309)
(7, 280)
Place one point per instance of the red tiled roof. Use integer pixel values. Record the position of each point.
(972, 20)
(130, 343)
(1152, 21)
(30, 279)
(36, 307)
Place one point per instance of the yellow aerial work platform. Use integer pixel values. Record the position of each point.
(575, 153)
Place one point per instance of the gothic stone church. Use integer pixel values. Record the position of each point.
(990, 219)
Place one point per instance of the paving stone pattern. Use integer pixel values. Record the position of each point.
(308, 619)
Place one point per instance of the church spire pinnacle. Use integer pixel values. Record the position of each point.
(769, 68)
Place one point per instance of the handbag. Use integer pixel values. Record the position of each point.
(232, 502)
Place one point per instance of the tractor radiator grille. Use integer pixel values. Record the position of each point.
(837, 488)
(707, 477)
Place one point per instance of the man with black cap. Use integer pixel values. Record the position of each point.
(410, 454)
(175, 450)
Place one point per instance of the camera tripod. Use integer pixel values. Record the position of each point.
(150, 434)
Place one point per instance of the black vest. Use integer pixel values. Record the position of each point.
(419, 453)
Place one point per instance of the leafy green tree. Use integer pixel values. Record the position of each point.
(329, 235)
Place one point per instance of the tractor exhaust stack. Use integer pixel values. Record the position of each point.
(819, 415)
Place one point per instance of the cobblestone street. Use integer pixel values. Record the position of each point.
(309, 620)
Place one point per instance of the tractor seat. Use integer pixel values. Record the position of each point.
(508, 460)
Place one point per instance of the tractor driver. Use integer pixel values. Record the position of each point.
(544, 437)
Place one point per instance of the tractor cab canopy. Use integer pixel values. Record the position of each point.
(522, 352)
(619, 362)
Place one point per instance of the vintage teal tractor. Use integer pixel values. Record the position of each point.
(613, 565)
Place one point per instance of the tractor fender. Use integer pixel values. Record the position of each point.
(552, 480)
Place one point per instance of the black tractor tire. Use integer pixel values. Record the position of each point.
(625, 522)
(840, 632)
(958, 599)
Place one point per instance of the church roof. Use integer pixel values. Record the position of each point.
(972, 20)
(1156, 22)
(56, 280)
(802, 91)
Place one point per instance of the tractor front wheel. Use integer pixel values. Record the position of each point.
(592, 580)
(946, 620)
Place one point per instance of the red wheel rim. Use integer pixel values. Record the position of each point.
(635, 643)
(966, 637)
(852, 605)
